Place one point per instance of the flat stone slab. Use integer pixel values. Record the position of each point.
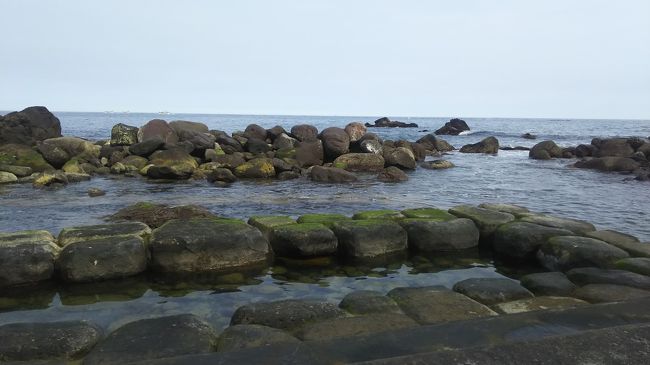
(605, 293)
(88, 233)
(505, 208)
(548, 283)
(537, 303)
(566, 252)
(207, 245)
(592, 275)
(492, 290)
(428, 213)
(47, 341)
(368, 302)
(285, 314)
(447, 235)
(266, 223)
(102, 259)
(303, 240)
(521, 240)
(243, 336)
(26, 257)
(639, 265)
(378, 214)
(435, 304)
(322, 218)
(486, 220)
(154, 339)
(573, 225)
(625, 242)
(354, 326)
(370, 238)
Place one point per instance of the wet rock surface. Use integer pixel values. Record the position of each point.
(243, 336)
(566, 252)
(552, 283)
(491, 291)
(285, 314)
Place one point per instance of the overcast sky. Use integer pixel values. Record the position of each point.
(508, 58)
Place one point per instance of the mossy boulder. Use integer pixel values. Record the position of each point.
(136, 161)
(73, 166)
(435, 235)
(363, 162)
(574, 225)
(378, 214)
(513, 209)
(123, 135)
(188, 246)
(361, 302)
(566, 252)
(20, 155)
(639, 265)
(486, 220)
(488, 145)
(303, 240)
(172, 164)
(75, 146)
(623, 241)
(324, 218)
(155, 215)
(88, 233)
(548, 283)
(26, 257)
(258, 168)
(370, 238)
(521, 240)
(49, 178)
(7, 177)
(331, 175)
(286, 153)
(428, 213)
(266, 223)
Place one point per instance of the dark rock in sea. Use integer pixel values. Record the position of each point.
(228, 143)
(31, 342)
(437, 165)
(606, 293)
(304, 132)
(521, 240)
(29, 126)
(27, 257)
(436, 235)
(486, 220)
(355, 131)
(392, 174)
(364, 162)
(156, 338)
(310, 153)
(171, 164)
(354, 326)
(288, 175)
(208, 245)
(515, 148)
(257, 146)
(147, 147)
(538, 303)
(331, 175)
(387, 123)
(528, 136)
(303, 240)
(613, 147)
(487, 145)
(102, 259)
(433, 143)
(244, 336)
(513, 209)
(70, 235)
(492, 290)
(563, 253)
(221, 174)
(639, 265)
(593, 275)
(258, 168)
(371, 146)
(96, 192)
(585, 150)
(552, 283)
(370, 238)
(545, 151)
(123, 135)
(275, 132)
(618, 164)
(285, 314)
(363, 302)
(157, 129)
(54, 155)
(401, 157)
(255, 131)
(336, 142)
(453, 127)
(437, 304)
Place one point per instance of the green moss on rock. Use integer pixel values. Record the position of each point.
(378, 214)
(428, 213)
(323, 218)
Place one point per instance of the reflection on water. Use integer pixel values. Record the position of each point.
(215, 297)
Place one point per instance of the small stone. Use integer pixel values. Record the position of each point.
(95, 192)
(492, 290)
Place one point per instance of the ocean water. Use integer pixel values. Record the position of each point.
(611, 201)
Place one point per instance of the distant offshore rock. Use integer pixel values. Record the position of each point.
(29, 126)
(387, 123)
(453, 127)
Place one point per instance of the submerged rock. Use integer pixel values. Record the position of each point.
(521, 240)
(639, 265)
(566, 252)
(437, 165)
(453, 127)
(303, 240)
(155, 215)
(492, 290)
(436, 304)
(285, 314)
(552, 283)
(538, 303)
(26, 257)
(369, 238)
(207, 245)
(331, 175)
(156, 338)
(593, 275)
(392, 174)
(487, 145)
(244, 336)
(68, 340)
(367, 302)
(354, 326)
(617, 164)
(366, 162)
(450, 235)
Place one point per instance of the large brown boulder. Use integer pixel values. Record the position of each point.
(304, 132)
(310, 153)
(355, 130)
(172, 164)
(453, 127)
(157, 129)
(366, 162)
(401, 157)
(614, 147)
(487, 145)
(336, 142)
(255, 131)
(29, 126)
(545, 151)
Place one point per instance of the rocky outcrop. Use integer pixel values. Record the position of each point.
(545, 151)
(617, 164)
(331, 175)
(433, 143)
(548, 283)
(453, 127)
(29, 126)
(567, 252)
(244, 336)
(303, 240)
(387, 123)
(488, 145)
(157, 129)
(401, 157)
(521, 240)
(336, 142)
(363, 162)
(486, 220)
(171, 164)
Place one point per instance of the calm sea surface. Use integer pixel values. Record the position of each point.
(607, 200)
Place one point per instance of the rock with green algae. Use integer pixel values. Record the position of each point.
(26, 257)
(363, 302)
(49, 178)
(324, 218)
(7, 177)
(172, 164)
(155, 215)
(303, 240)
(101, 231)
(521, 240)
(187, 246)
(378, 214)
(256, 168)
(435, 235)
(266, 223)
(20, 155)
(639, 265)
(428, 213)
(370, 238)
(563, 253)
(486, 220)
(362, 162)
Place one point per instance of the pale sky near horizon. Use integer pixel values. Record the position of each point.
(468, 58)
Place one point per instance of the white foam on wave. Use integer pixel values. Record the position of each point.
(465, 133)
